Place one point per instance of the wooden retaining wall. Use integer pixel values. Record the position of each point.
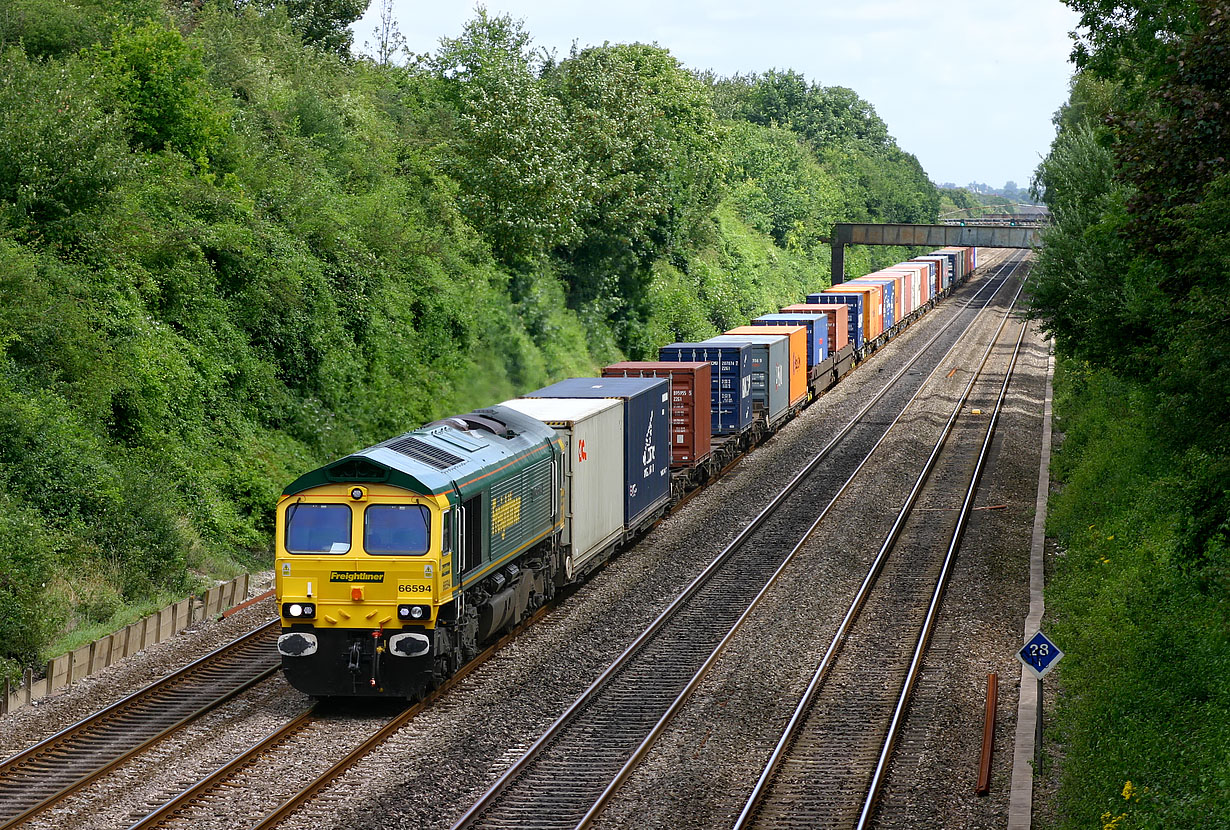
(162, 625)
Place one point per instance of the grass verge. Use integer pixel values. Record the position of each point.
(1143, 715)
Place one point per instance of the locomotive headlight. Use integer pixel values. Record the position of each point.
(299, 610)
(416, 612)
(403, 611)
(413, 612)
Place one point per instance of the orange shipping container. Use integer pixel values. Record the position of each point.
(798, 354)
(839, 321)
(873, 306)
(914, 273)
(899, 303)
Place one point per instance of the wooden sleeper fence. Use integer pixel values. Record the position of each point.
(157, 627)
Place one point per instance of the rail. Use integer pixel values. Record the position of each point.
(761, 798)
(636, 675)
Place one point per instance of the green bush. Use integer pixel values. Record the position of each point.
(1144, 698)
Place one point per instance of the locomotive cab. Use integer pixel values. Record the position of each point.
(360, 574)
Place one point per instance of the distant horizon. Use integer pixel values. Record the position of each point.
(896, 54)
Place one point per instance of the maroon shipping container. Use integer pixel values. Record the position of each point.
(691, 419)
(839, 325)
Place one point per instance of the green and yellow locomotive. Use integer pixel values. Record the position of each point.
(396, 562)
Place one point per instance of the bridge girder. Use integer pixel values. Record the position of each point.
(934, 236)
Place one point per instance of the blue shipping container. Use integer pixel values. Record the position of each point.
(952, 268)
(731, 380)
(770, 370)
(647, 434)
(890, 298)
(817, 332)
(855, 301)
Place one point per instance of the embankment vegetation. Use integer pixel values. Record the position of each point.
(1134, 282)
(230, 251)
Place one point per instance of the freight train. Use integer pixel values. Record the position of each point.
(396, 564)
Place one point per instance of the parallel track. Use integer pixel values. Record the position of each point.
(299, 731)
(35, 779)
(829, 765)
(570, 769)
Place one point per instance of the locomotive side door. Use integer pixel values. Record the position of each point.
(470, 536)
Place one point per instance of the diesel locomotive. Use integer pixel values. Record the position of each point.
(395, 563)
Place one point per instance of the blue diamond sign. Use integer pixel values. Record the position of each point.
(1039, 655)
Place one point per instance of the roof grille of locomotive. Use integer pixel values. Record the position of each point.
(422, 451)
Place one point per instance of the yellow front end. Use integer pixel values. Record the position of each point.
(361, 573)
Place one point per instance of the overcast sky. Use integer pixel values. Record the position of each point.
(968, 86)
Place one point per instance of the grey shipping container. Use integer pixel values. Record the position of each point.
(730, 378)
(647, 433)
(770, 370)
(593, 436)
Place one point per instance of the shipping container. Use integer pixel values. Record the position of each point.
(856, 317)
(770, 371)
(959, 262)
(730, 379)
(965, 261)
(796, 341)
(891, 288)
(952, 273)
(873, 308)
(938, 266)
(914, 278)
(817, 325)
(839, 321)
(593, 435)
(647, 434)
(691, 425)
(920, 281)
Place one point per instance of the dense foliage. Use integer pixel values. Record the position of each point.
(1133, 282)
(232, 251)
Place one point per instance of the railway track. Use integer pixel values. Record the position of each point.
(830, 763)
(565, 777)
(299, 738)
(37, 778)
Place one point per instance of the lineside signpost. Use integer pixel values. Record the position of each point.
(1039, 655)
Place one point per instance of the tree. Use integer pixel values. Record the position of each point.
(510, 149)
(321, 23)
(389, 39)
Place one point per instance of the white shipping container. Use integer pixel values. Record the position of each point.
(593, 434)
